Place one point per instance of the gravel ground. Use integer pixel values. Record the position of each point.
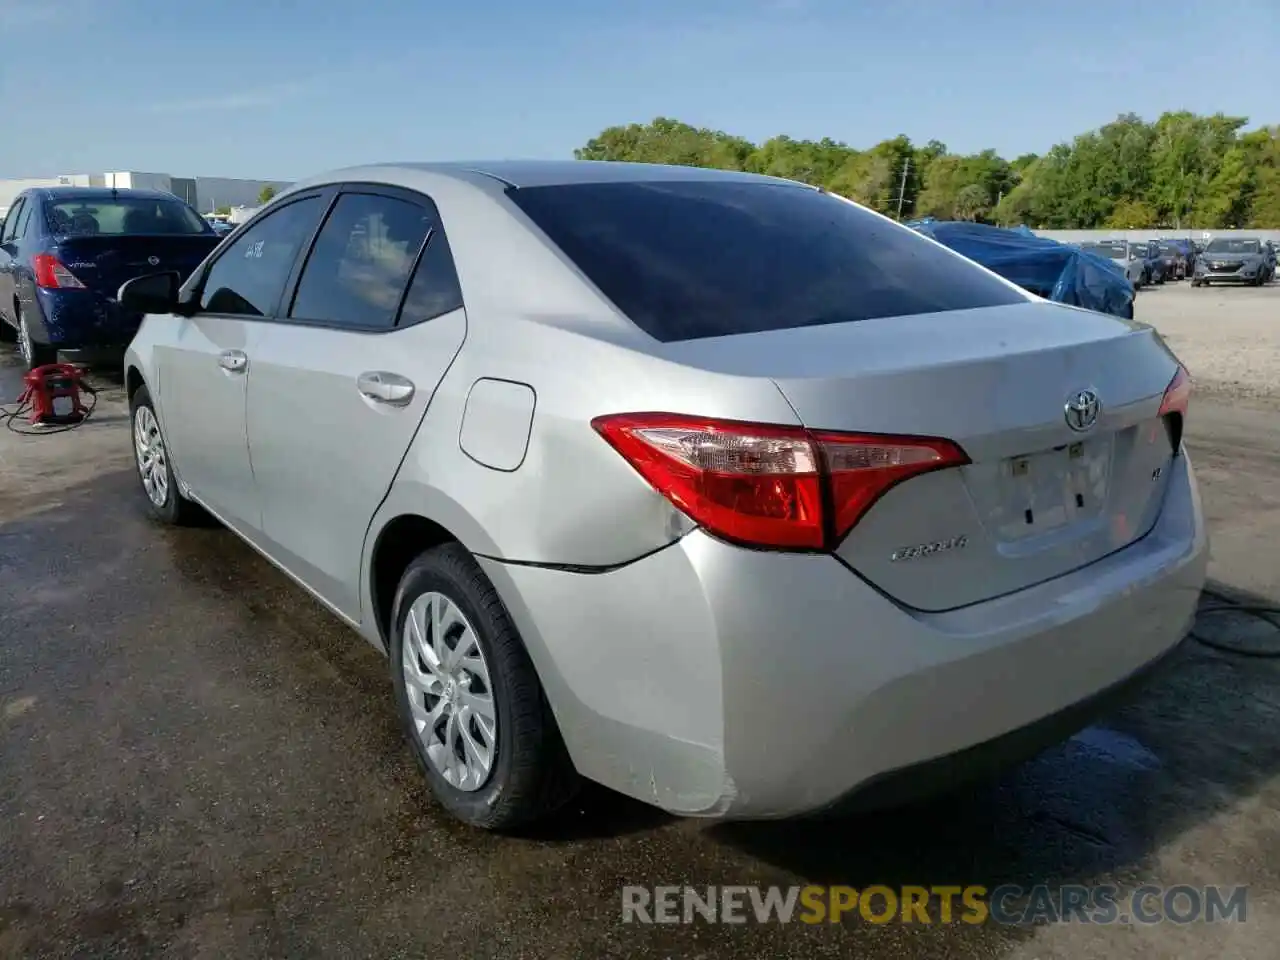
(1229, 337)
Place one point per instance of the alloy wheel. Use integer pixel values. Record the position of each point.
(450, 695)
(153, 465)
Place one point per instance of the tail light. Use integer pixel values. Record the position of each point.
(765, 485)
(52, 275)
(1177, 395)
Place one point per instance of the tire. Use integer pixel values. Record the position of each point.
(173, 508)
(33, 354)
(529, 773)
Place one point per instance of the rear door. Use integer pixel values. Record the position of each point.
(340, 385)
(8, 259)
(205, 361)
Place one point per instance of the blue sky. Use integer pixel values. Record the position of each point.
(276, 89)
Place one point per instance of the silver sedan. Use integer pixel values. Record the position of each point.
(717, 489)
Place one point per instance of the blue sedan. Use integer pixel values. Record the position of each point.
(65, 251)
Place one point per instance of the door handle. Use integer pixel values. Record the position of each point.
(233, 360)
(382, 387)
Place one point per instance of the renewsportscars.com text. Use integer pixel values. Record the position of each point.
(1010, 905)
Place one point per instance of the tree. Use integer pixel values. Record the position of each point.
(1132, 215)
(1181, 170)
(266, 196)
(972, 202)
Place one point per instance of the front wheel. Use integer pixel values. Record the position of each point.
(469, 698)
(155, 472)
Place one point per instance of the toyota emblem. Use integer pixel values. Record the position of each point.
(1081, 410)
(154, 261)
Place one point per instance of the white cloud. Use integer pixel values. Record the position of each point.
(269, 95)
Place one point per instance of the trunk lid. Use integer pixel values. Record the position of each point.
(102, 263)
(1039, 498)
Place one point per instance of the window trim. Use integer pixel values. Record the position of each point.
(24, 224)
(356, 188)
(193, 290)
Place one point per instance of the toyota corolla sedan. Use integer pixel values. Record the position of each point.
(717, 489)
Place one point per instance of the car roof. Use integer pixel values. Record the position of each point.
(100, 193)
(535, 173)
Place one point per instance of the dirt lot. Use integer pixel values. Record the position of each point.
(197, 761)
(1229, 337)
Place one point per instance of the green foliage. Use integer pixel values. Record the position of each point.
(267, 195)
(223, 211)
(1183, 170)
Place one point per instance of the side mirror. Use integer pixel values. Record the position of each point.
(154, 293)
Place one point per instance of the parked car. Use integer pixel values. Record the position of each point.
(1269, 248)
(65, 251)
(1189, 252)
(740, 529)
(1232, 260)
(1118, 252)
(221, 225)
(1147, 252)
(1173, 260)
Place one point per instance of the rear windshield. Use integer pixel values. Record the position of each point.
(1113, 250)
(691, 259)
(122, 215)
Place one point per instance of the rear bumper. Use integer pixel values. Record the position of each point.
(717, 681)
(80, 319)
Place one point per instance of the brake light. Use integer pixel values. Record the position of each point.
(1177, 396)
(52, 275)
(766, 485)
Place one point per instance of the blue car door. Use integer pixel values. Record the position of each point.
(8, 259)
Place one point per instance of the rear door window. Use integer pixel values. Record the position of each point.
(356, 274)
(248, 277)
(704, 258)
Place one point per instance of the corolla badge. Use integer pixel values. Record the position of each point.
(154, 261)
(919, 550)
(1081, 410)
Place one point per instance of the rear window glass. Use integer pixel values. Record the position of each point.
(87, 217)
(691, 259)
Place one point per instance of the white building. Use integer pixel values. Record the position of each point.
(206, 194)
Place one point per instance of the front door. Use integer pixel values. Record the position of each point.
(339, 387)
(206, 363)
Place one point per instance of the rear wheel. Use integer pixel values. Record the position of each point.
(469, 698)
(33, 354)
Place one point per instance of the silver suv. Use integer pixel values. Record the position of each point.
(718, 489)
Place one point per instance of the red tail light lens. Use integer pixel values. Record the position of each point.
(766, 485)
(1177, 396)
(52, 275)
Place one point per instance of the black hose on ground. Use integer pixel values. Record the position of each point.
(1221, 603)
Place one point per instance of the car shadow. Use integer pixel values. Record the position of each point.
(1197, 741)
